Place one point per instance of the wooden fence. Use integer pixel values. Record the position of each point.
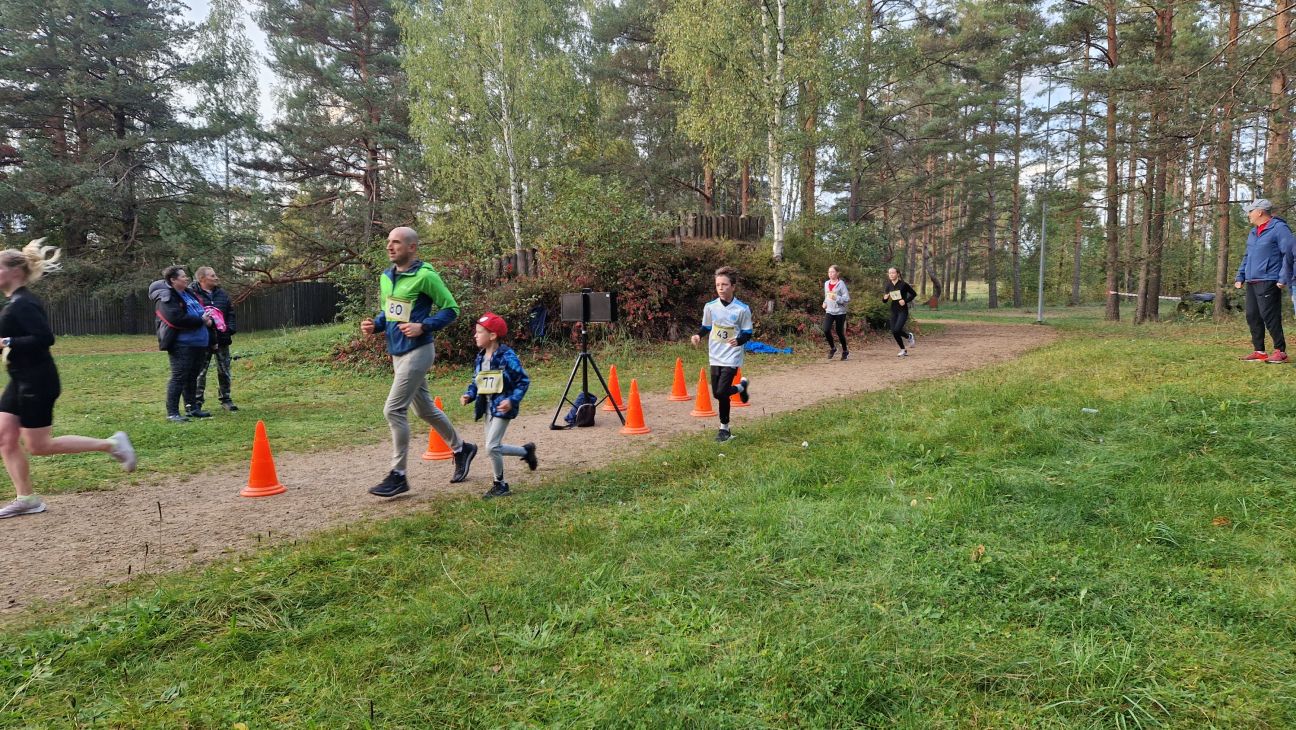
(292, 305)
(732, 227)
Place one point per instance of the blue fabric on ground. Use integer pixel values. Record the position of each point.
(764, 349)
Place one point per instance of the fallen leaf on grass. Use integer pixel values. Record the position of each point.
(1221, 521)
(913, 503)
(496, 668)
(978, 552)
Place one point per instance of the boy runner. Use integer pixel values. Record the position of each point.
(727, 325)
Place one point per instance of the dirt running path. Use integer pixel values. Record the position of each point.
(97, 538)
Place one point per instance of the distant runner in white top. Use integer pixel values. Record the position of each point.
(727, 325)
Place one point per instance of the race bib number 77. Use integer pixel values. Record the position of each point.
(490, 382)
(398, 310)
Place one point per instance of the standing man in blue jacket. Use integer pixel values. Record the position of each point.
(1266, 271)
(415, 304)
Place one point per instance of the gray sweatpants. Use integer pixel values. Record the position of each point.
(409, 387)
(495, 428)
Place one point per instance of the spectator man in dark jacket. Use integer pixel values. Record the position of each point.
(208, 290)
(1265, 270)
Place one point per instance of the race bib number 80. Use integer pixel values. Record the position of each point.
(490, 382)
(398, 310)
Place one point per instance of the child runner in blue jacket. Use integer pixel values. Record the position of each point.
(498, 385)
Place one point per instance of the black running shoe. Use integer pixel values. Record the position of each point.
(530, 458)
(745, 396)
(723, 435)
(391, 486)
(198, 413)
(463, 461)
(831, 353)
(845, 355)
(229, 406)
(498, 489)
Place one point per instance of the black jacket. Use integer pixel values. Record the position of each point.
(172, 314)
(907, 293)
(24, 322)
(220, 300)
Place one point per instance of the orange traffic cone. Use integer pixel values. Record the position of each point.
(634, 416)
(614, 390)
(679, 391)
(735, 400)
(262, 480)
(702, 407)
(438, 449)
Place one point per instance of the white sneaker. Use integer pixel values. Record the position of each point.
(902, 353)
(22, 506)
(123, 451)
(910, 335)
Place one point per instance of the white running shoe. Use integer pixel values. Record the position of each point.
(123, 451)
(22, 506)
(902, 353)
(911, 339)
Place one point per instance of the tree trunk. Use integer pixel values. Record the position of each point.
(809, 158)
(1223, 152)
(708, 188)
(1278, 142)
(744, 189)
(992, 272)
(1016, 196)
(1078, 244)
(1112, 231)
(774, 49)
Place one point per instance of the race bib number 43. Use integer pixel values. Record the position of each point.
(398, 310)
(490, 382)
(723, 332)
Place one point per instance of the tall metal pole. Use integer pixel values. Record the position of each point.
(1048, 128)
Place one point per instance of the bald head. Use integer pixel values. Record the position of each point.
(405, 234)
(402, 246)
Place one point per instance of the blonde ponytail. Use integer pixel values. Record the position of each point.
(35, 259)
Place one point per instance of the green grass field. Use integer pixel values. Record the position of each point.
(971, 552)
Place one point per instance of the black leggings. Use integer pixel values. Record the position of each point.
(722, 388)
(899, 318)
(838, 321)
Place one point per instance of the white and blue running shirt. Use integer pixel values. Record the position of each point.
(723, 322)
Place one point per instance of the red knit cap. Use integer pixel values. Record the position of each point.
(494, 323)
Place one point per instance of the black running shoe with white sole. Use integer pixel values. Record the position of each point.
(530, 458)
(723, 435)
(745, 395)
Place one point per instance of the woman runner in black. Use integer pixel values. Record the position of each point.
(27, 405)
(898, 292)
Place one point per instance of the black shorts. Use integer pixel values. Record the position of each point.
(31, 398)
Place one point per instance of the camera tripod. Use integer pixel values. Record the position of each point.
(584, 361)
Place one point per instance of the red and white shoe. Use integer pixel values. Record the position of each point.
(1257, 355)
(1277, 358)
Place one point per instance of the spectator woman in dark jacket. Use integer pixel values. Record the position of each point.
(184, 333)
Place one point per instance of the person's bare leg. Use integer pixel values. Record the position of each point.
(39, 443)
(15, 459)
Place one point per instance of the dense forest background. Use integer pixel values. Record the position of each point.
(948, 138)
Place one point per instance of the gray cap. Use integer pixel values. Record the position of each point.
(1257, 204)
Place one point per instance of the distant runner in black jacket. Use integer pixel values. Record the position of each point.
(27, 405)
(898, 292)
